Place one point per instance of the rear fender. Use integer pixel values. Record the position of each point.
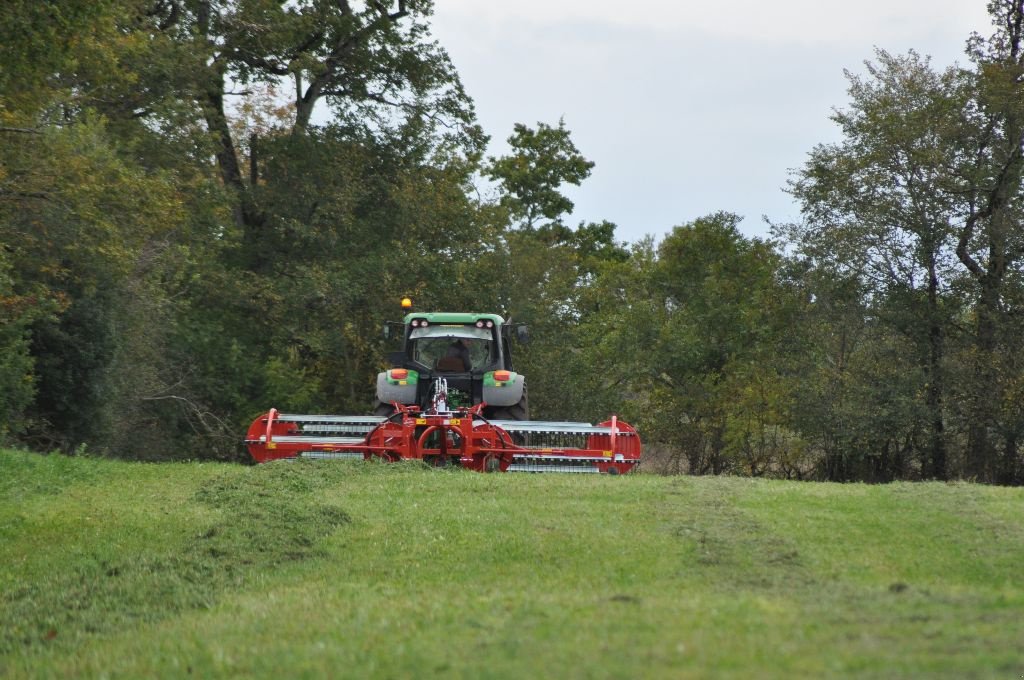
(389, 390)
(508, 393)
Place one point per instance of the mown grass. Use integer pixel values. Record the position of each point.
(358, 570)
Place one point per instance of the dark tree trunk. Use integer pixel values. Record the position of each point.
(246, 213)
(935, 457)
(1009, 467)
(980, 450)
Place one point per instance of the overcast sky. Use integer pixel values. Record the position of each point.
(686, 107)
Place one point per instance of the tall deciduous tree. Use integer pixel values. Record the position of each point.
(369, 61)
(990, 239)
(877, 206)
(922, 202)
(720, 295)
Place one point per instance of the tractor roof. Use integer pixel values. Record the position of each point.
(453, 317)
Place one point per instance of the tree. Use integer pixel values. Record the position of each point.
(84, 229)
(370, 63)
(876, 206)
(921, 204)
(989, 243)
(542, 267)
(720, 294)
(531, 177)
(197, 262)
(693, 334)
(17, 379)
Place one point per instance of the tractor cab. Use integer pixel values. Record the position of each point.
(453, 349)
(470, 352)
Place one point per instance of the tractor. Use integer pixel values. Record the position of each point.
(451, 397)
(470, 353)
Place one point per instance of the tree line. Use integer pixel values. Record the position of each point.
(210, 207)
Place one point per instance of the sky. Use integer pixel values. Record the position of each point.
(688, 107)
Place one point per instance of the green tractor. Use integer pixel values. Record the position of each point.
(452, 360)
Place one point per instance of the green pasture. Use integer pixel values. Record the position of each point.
(350, 569)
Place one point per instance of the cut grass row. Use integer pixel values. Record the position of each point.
(360, 570)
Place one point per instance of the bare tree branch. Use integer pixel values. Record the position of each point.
(341, 50)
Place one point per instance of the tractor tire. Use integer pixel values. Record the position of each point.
(384, 410)
(520, 411)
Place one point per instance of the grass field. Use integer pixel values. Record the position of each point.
(396, 571)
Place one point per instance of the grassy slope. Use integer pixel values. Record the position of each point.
(397, 571)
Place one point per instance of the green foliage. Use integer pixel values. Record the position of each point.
(713, 319)
(877, 208)
(541, 161)
(861, 403)
(724, 333)
(17, 379)
(39, 41)
(542, 271)
(918, 209)
(184, 297)
(184, 245)
(87, 232)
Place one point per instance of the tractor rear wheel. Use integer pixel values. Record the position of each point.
(520, 411)
(384, 410)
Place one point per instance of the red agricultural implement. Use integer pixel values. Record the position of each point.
(462, 437)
